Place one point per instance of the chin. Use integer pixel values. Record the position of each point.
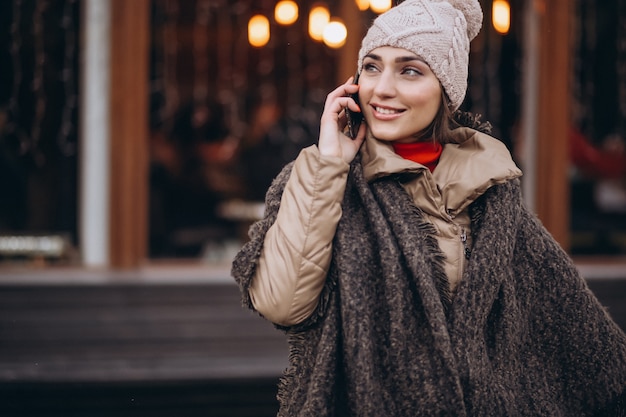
(386, 136)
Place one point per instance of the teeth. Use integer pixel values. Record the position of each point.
(386, 111)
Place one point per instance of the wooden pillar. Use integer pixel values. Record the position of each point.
(129, 132)
(553, 190)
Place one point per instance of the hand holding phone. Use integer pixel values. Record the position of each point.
(354, 119)
(335, 132)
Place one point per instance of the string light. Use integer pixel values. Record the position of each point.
(501, 16)
(258, 30)
(170, 59)
(200, 44)
(286, 12)
(380, 6)
(335, 34)
(67, 146)
(38, 81)
(318, 19)
(15, 49)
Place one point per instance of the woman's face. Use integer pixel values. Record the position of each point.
(399, 94)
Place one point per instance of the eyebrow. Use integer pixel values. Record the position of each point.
(398, 59)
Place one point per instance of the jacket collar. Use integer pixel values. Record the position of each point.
(467, 168)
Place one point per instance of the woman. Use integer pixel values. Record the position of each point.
(403, 266)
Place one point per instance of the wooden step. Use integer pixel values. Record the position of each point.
(133, 332)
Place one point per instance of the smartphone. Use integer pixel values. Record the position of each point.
(354, 118)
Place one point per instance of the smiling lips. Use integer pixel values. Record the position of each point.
(381, 112)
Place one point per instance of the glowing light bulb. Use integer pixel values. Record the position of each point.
(286, 12)
(335, 34)
(380, 6)
(318, 19)
(258, 30)
(501, 16)
(362, 4)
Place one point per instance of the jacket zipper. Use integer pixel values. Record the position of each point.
(463, 236)
(466, 251)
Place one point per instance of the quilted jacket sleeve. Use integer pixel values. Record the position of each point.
(296, 251)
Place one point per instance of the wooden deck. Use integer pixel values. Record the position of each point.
(162, 342)
(133, 333)
(105, 344)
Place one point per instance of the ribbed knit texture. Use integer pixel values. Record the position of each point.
(524, 336)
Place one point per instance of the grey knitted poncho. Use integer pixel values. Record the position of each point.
(523, 336)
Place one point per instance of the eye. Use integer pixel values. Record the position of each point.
(411, 71)
(369, 67)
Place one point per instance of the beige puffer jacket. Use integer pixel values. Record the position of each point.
(297, 250)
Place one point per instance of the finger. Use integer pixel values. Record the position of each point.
(343, 90)
(335, 108)
(362, 131)
(342, 117)
(353, 105)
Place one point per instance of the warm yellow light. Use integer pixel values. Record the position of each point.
(335, 34)
(380, 6)
(501, 16)
(318, 19)
(286, 12)
(258, 30)
(362, 4)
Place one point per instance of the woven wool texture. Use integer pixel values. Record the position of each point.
(437, 31)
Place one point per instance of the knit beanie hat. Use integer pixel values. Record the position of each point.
(438, 31)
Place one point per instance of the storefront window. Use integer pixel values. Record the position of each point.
(39, 57)
(225, 117)
(598, 135)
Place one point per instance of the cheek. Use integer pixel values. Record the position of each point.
(428, 101)
(427, 94)
(364, 93)
(436, 94)
(364, 97)
(435, 102)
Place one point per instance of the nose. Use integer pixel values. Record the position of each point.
(385, 85)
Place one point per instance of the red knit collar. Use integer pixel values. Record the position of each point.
(425, 153)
